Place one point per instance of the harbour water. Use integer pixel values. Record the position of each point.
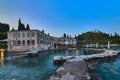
(35, 68)
(109, 70)
(42, 67)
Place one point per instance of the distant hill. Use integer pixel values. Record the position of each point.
(4, 27)
(98, 37)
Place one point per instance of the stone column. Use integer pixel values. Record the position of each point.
(108, 44)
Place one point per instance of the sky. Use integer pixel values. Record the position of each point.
(63, 16)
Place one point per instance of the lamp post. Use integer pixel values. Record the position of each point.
(2, 57)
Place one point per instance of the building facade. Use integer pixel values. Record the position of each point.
(26, 40)
(66, 42)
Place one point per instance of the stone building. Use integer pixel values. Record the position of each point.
(29, 40)
(26, 40)
(66, 42)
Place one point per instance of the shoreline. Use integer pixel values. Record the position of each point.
(87, 62)
(21, 54)
(90, 60)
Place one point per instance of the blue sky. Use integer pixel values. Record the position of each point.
(63, 16)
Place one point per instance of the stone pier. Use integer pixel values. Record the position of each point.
(72, 70)
(77, 68)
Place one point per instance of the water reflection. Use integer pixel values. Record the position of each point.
(2, 57)
(73, 53)
(66, 52)
(109, 70)
(34, 68)
(76, 52)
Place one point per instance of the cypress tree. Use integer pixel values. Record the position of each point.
(21, 26)
(67, 36)
(64, 35)
(27, 27)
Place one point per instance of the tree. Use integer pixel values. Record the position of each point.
(21, 26)
(43, 31)
(93, 37)
(4, 27)
(27, 27)
(3, 35)
(67, 36)
(64, 35)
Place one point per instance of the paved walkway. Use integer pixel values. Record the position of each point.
(76, 69)
(71, 70)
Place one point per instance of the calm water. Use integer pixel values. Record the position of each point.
(109, 70)
(35, 68)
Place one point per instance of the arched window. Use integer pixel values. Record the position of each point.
(28, 42)
(18, 42)
(33, 42)
(23, 42)
(14, 43)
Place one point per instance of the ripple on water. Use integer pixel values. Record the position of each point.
(38, 68)
(109, 70)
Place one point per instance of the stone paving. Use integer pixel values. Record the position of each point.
(76, 69)
(71, 70)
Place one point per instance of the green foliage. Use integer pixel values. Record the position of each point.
(27, 27)
(3, 46)
(67, 36)
(21, 26)
(64, 35)
(115, 38)
(3, 35)
(98, 37)
(43, 31)
(3, 30)
(4, 27)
